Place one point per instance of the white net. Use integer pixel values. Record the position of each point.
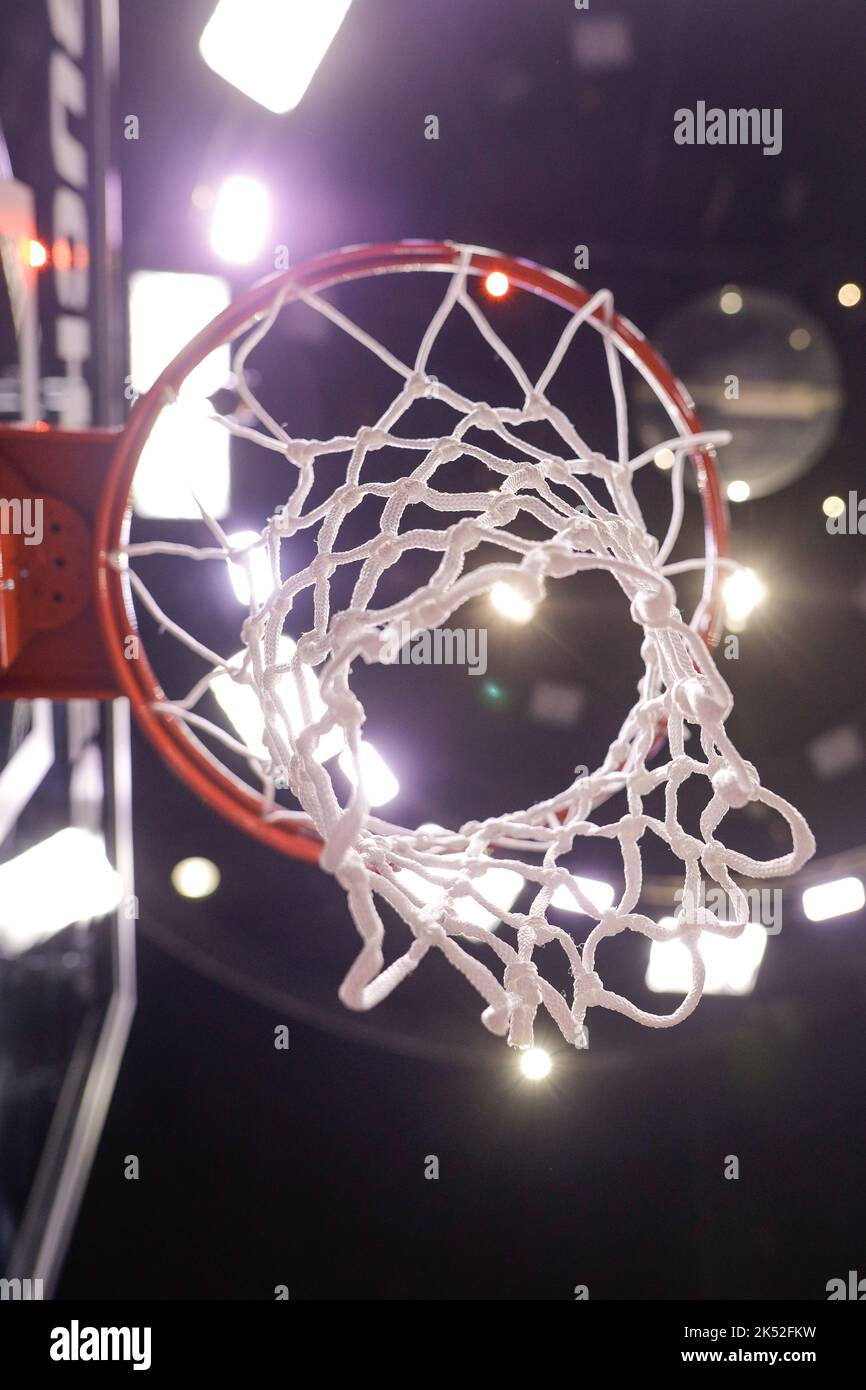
(300, 682)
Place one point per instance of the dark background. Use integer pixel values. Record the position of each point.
(306, 1168)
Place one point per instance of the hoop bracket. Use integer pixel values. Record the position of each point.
(51, 642)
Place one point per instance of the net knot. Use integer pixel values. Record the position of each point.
(617, 754)
(695, 700)
(347, 495)
(419, 384)
(484, 417)
(631, 827)
(685, 846)
(414, 490)
(430, 929)
(475, 868)
(501, 510)
(655, 607)
(641, 782)
(428, 614)
(301, 452)
(714, 859)
(312, 648)
(370, 438)
(587, 986)
(424, 841)
(599, 464)
(521, 980)
(447, 450)
(734, 789)
(387, 549)
(559, 558)
(558, 471)
(322, 566)
(346, 627)
(466, 529)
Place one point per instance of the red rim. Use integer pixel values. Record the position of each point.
(225, 793)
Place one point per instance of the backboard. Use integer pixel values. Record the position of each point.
(67, 987)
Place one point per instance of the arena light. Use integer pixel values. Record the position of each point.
(730, 300)
(497, 284)
(380, 784)
(832, 506)
(64, 879)
(240, 220)
(742, 592)
(511, 604)
(195, 878)
(834, 899)
(731, 963)
(35, 254)
(849, 295)
(600, 895)
(259, 568)
(664, 459)
(240, 703)
(738, 491)
(186, 457)
(166, 310)
(186, 453)
(535, 1063)
(270, 49)
(499, 886)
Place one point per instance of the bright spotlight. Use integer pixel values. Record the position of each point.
(186, 452)
(738, 491)
(849, 295)
(600, 895)
(270, 49)
(834, 899)
(186, 456)
(731, 963)
(239, 701)
(832, 506)
(240, 220)
(499, 886)
(535, 1063)
(380, 784)
(166, 309)
(202, 197)
(259, 564)
(36, 255)
(665, 459)
(511, 604)
(64, 879)
(730, 300)
(742, 592)
(195, 878)
(497, 284)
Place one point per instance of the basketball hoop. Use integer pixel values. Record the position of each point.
(370, 857)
